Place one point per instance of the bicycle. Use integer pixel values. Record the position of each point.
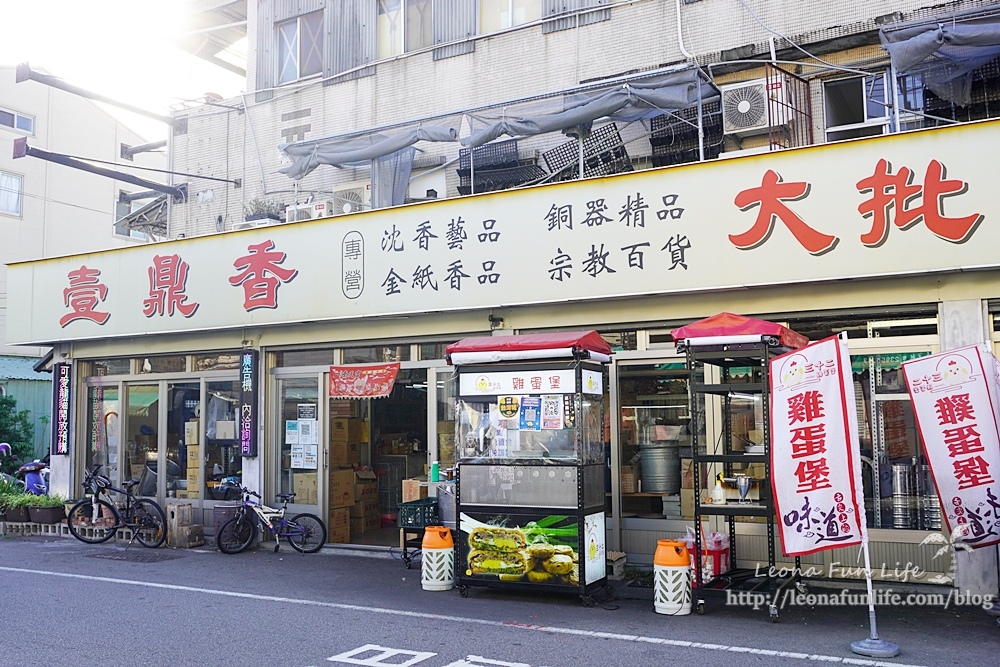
(95, 519)
(305, 532)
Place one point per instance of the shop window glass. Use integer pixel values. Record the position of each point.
(324, 357)
(221, 451)
(376, 355)
(621, 340)
(446, 385)
(296, 457)
(140, 428)
(226, 361)
(163, 364)
(120, 366)
(433, 350)
(903, 494)
(103, 431)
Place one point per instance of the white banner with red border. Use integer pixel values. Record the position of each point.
(954, 396)
(815, 460)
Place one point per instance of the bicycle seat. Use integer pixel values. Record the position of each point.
(285, 496)
(129, 484)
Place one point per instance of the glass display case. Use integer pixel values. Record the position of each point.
(529, 442)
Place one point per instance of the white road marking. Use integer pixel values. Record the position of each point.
(381, 653)
(479, 661)
(470, 621)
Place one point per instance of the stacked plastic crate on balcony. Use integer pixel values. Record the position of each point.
(494, 166)
(674, 137)
(603, 154)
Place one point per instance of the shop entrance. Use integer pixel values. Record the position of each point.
(385, 439)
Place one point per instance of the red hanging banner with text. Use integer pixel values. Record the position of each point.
(955, 401)
(815, 460)
(362, 380)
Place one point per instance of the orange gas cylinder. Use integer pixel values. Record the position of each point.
(437, 537)
(437, 566)
(671, 553)
(671, 578)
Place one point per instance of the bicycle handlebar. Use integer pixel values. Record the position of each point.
(248, 492)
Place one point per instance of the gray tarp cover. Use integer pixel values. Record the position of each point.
(307, 155)
(944, 53)
(630, 101)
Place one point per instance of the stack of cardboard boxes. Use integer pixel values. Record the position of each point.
(364, 512)
(192, 442)
(346, 438)
(412, 490)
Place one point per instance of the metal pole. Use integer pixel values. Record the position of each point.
(873, 646)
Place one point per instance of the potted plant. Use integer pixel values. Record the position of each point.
(8, 487)
(262, 208)
(47, 509)
(17, 507)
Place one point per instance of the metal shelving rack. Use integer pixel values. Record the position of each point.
(729, 356)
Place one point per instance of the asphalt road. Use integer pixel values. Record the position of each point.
(65, 603)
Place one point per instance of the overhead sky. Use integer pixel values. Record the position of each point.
(118, 48)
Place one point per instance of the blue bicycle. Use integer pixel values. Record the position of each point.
(305, 532)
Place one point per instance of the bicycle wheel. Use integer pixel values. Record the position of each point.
(306, 533)
(92, 521)
(150, 523)
(235, 535)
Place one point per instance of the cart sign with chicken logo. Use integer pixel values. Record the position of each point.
(363, 380)
(954, 398)
(815, 464)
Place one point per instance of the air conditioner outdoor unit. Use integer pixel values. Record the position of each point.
(244, 225)
(352, 199)
(313, 211)
(745, 107)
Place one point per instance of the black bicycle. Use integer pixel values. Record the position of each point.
(96, 519)
(305, 532)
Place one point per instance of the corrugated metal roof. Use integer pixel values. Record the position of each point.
(21, 368)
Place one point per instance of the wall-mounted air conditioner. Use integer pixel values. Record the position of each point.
(244, 225)
(753, 107)
(352, 198)
(312, 211)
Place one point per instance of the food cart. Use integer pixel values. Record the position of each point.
(530, 452)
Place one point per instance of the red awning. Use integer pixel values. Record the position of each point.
(480, 349)
(729, 325)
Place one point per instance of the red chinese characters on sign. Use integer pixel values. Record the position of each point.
(896, 193)
(808, 441)
(770, 197)
(167, 282)
(83, 295)
(261, 275)
(953, 396)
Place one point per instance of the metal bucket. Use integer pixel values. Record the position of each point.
(661, 467)
(902, 496)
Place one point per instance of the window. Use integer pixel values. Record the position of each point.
(300, 47)
(403, 26)
(17, 121)
(856, 107)
(11, 190)
(123, 209)
(497, 15)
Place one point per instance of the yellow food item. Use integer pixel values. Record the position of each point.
(511, 577)
(495, 562)
(563, 549)
(573, 578)
(537, 577)
(558, 564)
(541, 550)
(495, 538)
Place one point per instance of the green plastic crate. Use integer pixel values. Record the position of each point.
(419, 513)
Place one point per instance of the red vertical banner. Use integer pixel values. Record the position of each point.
(954, 398)
(815, 461)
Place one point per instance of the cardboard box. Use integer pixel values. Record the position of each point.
(339, 517)
(412, 489)
(687, 503)
(304, 486)
(344, 453)
(191, 430)
(193, 456)
(193, 480)
(345, 430)
(339, 535)
(365, 508)
(225, 430)
(341, 488)
(628, 481)
(365, 524)
(365, 486)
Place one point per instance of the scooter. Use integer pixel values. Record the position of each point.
(34, 476)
